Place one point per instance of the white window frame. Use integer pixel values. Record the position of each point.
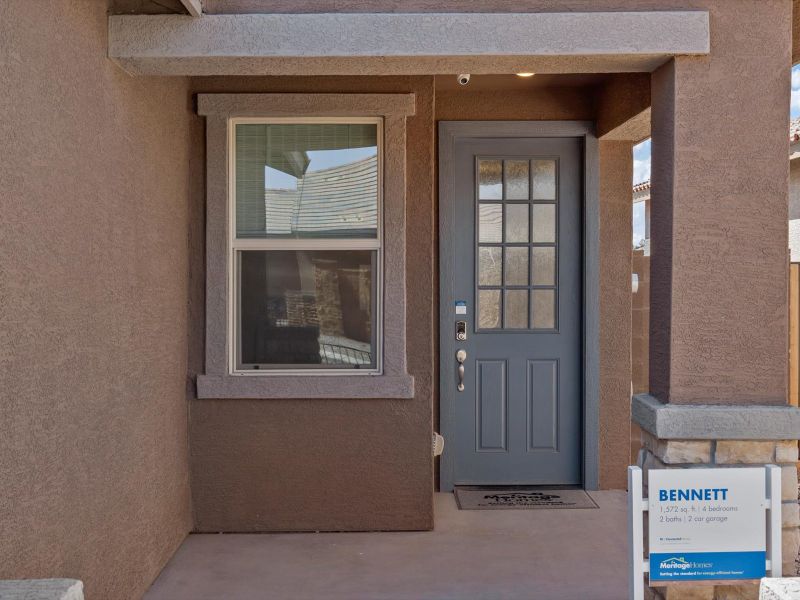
(235, 245)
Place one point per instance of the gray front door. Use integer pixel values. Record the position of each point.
(514, 273)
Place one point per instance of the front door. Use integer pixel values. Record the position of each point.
(511, 294)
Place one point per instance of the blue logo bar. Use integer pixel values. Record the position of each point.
(707, 565)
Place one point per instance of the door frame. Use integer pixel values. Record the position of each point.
(449, 133)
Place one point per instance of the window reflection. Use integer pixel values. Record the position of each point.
(307, 308)
(306, 180)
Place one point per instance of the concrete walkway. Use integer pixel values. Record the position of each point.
(494, 555)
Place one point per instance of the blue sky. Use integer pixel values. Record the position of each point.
(795, 109)
(641, 172)
(320, 159)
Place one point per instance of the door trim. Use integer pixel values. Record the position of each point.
(449, 133)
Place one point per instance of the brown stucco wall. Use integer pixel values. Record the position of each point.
(93, 317)
(268, 465)
(616, 198)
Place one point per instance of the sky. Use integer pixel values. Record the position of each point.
(795, 110)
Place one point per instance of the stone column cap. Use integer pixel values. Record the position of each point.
(779, 589)
(715, 422)
(41, 589)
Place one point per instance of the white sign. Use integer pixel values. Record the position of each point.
(707, 524)
(704, 524)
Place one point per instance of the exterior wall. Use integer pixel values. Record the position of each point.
(93, 281)
(360, 464)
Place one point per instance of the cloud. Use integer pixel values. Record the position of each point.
(641, 170)
(796, 78)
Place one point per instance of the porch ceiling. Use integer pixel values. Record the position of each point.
(404, 44)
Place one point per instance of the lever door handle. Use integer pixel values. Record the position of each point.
(461, 356)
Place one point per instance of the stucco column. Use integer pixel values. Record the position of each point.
(718, 270)
(616, 166)
(718, 332)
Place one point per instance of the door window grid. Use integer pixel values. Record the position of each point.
(517, 243)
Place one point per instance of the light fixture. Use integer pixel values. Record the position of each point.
(525, 74)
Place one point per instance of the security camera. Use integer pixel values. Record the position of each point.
(463, 79)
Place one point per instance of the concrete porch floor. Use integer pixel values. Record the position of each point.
(573, 554)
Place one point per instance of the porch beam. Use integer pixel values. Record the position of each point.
(404, 44)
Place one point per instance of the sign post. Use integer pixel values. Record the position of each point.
(704, 525)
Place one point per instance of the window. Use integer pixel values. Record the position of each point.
(305, 245)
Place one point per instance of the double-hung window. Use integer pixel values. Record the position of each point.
(305, 251)
(305, 246)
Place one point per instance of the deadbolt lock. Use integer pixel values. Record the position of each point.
(461, 330)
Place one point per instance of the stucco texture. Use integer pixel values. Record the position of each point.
(93, 311)
(616, 173)
(718, 325)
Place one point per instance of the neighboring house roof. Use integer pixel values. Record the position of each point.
(341, 201)
(794, 130)
(641, 191)
(794, 138)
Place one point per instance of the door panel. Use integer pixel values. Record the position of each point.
(491, 406)
(542, 417)
(517, 266)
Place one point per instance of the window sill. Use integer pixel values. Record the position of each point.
(282, 387)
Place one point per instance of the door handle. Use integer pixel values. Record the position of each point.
(461, 356)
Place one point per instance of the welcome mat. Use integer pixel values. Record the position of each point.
(482, 498)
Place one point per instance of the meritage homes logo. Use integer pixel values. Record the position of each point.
(676, 563)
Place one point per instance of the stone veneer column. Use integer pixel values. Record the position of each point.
(663, 451)
(718, 295)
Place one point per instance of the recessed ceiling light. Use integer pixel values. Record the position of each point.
(525, 74)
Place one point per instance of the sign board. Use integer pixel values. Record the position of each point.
(704, 524)
(707, 524)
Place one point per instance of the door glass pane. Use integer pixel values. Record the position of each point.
(544, 180)
(544, 265)
(544, 311)
(517, 223)
(516, 179)
(306, 308)
(490, 223)
(516, 271)
(490, 179)
(489, 265)
(517, 244)
(488, 309)
(306, 180)
(544, 223)
(515, 313)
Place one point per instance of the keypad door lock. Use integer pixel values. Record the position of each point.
(461, 330)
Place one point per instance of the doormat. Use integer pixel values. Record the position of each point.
(481, 498)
